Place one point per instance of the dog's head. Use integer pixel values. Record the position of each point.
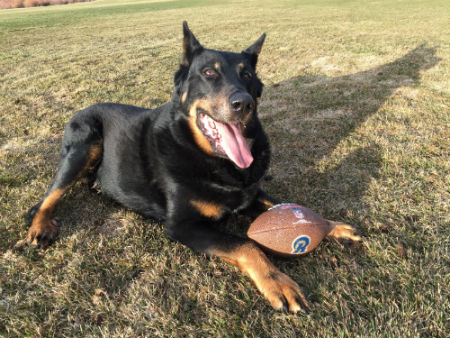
(218, 92)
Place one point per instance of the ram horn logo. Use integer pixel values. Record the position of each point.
(300, 244)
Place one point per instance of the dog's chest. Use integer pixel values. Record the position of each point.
(234, 193)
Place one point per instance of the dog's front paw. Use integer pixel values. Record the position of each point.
(42, 232)
(282, 292)
(343, 231)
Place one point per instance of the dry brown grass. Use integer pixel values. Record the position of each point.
(356, 105)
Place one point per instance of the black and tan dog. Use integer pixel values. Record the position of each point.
(189, 163)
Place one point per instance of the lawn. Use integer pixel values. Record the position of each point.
(356, 105)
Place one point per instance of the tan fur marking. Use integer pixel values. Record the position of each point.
(49, 202)
(268, 204)
(220, 106)
(184, 97)
(217, 65)
(95, 152)
(42, 223)
(241, 65)
(199, 138)
(341, 230)
(207, 209)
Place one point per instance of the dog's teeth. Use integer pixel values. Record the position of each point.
(212, 125)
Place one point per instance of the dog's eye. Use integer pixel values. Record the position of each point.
(209, 72)
(247, 75)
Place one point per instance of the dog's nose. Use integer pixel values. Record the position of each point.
(242, 103)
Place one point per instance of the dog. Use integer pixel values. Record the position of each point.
(189, 163)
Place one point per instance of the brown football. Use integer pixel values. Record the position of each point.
(288, 229)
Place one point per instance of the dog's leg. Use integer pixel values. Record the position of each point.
(82, 149)
(341, 230)
(280, 290)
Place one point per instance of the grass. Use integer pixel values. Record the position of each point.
(356, 105)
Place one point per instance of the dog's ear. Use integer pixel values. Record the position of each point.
(253, 51)
(191, 46)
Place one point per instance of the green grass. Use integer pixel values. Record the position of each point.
(356, 105)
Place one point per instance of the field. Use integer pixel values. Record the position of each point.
(356, 105)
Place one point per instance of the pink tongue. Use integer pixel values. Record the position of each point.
(234, 144)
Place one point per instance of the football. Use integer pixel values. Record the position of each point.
(288, 229)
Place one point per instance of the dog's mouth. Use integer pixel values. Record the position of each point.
(226, 139)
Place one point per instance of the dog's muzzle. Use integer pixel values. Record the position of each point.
(241, 104)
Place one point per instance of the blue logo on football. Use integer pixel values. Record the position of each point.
(300, 244)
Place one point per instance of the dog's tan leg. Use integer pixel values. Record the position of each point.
(343, 231)
(279, 289)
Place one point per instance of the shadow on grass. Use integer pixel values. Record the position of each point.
(321, 113)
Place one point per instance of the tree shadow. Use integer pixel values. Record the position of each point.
(308, 116)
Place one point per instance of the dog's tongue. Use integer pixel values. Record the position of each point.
(234, 144)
